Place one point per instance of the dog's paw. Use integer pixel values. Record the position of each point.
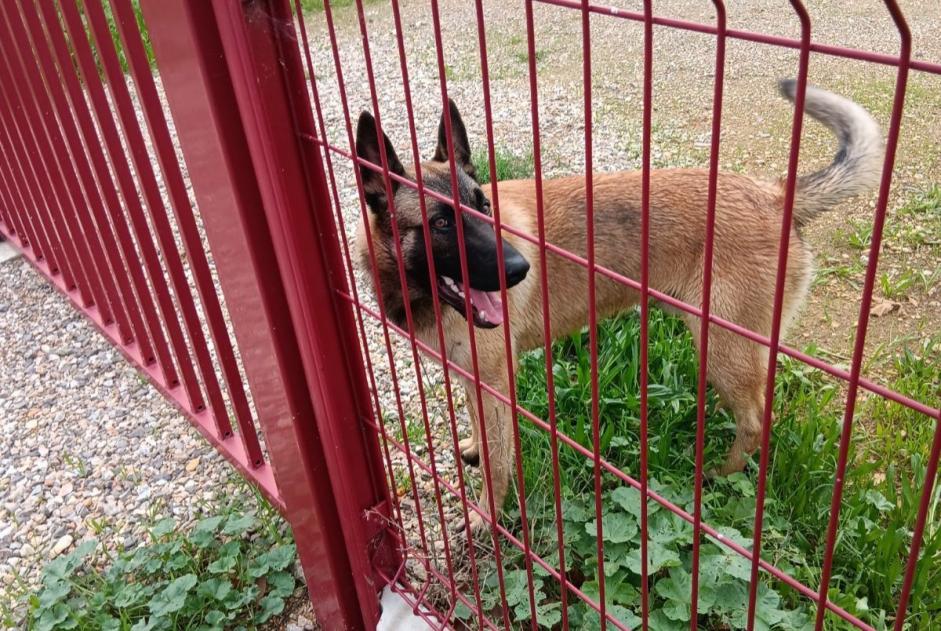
(469, 452)
(476, 523)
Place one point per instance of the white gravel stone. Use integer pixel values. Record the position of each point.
(61, 545)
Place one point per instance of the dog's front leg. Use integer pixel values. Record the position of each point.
(470, 446)
(497, 459)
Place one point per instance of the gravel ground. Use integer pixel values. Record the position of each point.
(88, 448)
(86, 444)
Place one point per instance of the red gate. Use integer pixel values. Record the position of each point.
(260, 259)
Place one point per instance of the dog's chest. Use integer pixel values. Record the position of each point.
(455, 333)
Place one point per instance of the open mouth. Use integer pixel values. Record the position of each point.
(486, 305)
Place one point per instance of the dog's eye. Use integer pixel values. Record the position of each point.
(440, 223)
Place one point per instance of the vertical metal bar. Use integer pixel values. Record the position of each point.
(102, 110)
(898, 104)
(373, 389)
(75, 94)
(12, 208)
(28, 230)
(179, 201)
(434, 289)
(273, 101)
(707, 300)
(199, 90)
(592, 308)
(918, 533)
(6, 206)
(507, 338)
(18, 149)
(75, 208)
(117, 86)
(647, 118)
(544, 292)
(104, 241)
(62, 217)
(784, 241)
(344, 242)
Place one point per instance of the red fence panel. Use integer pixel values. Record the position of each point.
(515, 537)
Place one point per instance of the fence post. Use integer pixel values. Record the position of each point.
(236, 95)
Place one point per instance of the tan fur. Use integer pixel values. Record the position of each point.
(747, 230)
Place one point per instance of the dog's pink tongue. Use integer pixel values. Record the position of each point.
(488, 305)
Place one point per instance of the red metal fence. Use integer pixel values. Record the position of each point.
(97, 199)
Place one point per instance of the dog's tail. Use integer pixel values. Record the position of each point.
(857, 166)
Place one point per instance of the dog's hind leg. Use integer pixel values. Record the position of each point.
(748, 407)
(737, 368)
(740, 377)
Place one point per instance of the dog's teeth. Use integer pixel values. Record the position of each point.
(483, 316)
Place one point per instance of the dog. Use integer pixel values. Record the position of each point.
(747, 226)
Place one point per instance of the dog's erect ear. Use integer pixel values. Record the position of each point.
(367, 148)
(462, 152)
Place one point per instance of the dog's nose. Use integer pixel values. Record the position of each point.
(515, 264)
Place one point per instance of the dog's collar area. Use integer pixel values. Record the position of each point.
(487, 305)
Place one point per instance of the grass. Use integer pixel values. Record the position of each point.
(887, 455)
(116, 38)
(310, 6)
(900, 434)
(857, 235)
(919, 222)
(896, 286)
(76, 463)
(510, 166)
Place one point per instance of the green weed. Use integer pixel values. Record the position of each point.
(76, 463)
(896, 285)
(231, 569)
(918, 221)
(414, 430)
(924, 204)
(836, 268)
(899, 432)
(858, 235)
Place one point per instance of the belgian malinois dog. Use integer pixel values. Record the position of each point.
(747, 227)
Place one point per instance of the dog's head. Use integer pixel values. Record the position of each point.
(480, 241)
